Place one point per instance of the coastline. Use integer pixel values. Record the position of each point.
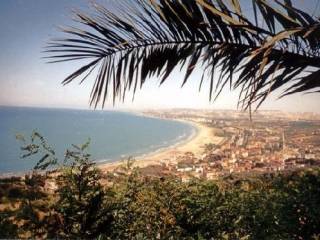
(145, 159)
(194, 143)
(201, 134)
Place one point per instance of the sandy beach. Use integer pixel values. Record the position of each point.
(194, 143)
(203, 135)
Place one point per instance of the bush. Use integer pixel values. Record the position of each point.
(15, 192)
(266, 206)
(7, 228)
(278, 206)
(284, 206)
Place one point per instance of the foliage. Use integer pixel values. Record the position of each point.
(283, 206)
(7, 228)
(133, 40)
(38, 146)
(75, 208)
(81, 197)
(265, 206)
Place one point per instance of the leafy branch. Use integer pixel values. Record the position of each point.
(38, 146)
(139, 39)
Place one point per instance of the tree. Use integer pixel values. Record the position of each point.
(134, 40)
(82, 200)
(265, 206)
(35, 201)
(80, 207)
(8, 229)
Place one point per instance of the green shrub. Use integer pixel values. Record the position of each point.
(15, 192)
(266, 206)
(7, 228)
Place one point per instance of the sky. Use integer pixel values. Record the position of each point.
(27, 80)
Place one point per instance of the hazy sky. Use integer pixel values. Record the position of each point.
(26, 80)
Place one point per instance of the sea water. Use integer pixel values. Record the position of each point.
(114, 135)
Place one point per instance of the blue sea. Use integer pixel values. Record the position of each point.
(114, 135)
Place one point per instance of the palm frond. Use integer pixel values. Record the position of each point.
(145, 38)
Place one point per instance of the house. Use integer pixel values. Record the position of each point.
(185, 165)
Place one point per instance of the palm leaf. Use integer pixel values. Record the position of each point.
(139, 39)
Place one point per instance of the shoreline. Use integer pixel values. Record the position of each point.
(201, 134)
(113, 163)
(193, 143)
(142, 158)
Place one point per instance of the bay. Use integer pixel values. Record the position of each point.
(114, 135)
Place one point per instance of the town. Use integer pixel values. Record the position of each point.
(272, 141)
